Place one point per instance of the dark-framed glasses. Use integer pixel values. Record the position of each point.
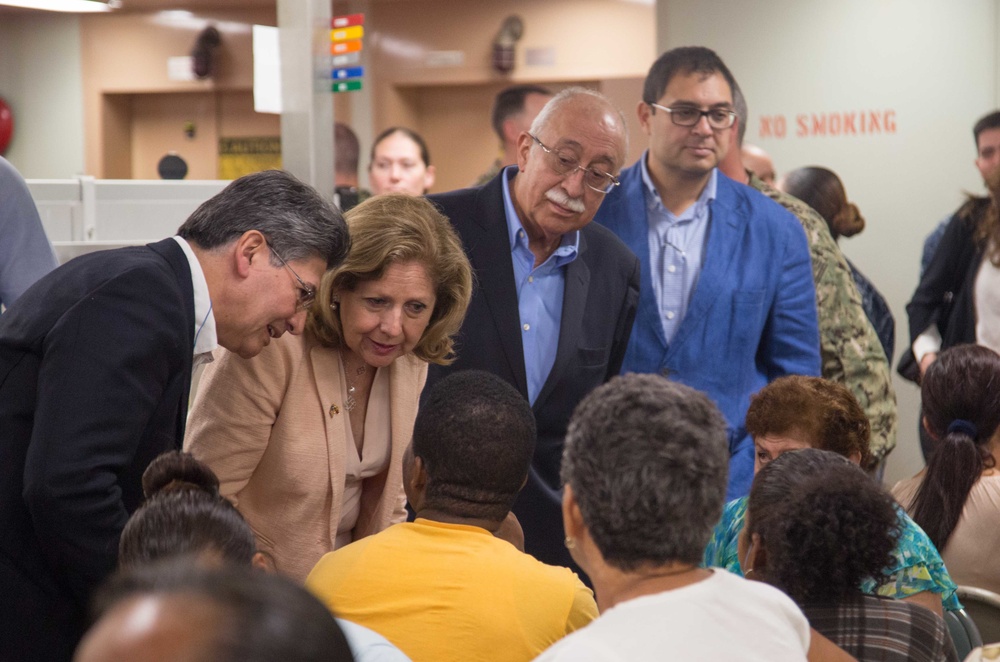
(718, 118)
(565, 163)
(307, 293)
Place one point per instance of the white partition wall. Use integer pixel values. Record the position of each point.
(884, 93)
(86, 214)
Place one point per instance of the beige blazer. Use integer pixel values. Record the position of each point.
(273, 429)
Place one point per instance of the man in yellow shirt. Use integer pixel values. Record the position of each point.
(445, 587)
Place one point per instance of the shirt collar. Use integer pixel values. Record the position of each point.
(205, 339)
(569, 245)
(707, 193)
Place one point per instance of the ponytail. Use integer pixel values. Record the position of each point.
(954, 468)
(960, 395)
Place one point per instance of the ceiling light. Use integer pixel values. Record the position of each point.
(76, 6)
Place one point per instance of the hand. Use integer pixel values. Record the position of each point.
(929, 358)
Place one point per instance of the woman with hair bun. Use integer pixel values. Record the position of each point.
(956, 498)
(184, 514)
(822, 190)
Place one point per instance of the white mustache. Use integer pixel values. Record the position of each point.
(558, 196)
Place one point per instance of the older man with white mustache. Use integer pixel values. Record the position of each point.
(556, 295)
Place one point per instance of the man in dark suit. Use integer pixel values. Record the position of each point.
(556, 295)
(95, 369)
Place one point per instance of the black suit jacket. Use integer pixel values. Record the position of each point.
(95, 370)
(600, 299)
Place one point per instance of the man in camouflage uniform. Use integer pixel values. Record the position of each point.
(849, 347)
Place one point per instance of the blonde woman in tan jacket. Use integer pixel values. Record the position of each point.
(307, 438)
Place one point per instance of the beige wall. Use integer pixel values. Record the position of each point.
(40, 79)
(931, 62)
(603, 44)
(134, 113)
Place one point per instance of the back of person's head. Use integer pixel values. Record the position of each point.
(683, 61)
(296, 221)
(475, 435)
(960, 396)
(509, 102)
(647, 460)
(742, 112)
(823, 524)
(188, 613)
(184, 515)
(347, 150)
(988, 121)
(822, 190)
(818, 411)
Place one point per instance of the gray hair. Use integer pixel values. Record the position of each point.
(296, 221)
(570, 93)
(647, 460)
(742, 113)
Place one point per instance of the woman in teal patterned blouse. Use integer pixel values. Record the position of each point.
(796, 412)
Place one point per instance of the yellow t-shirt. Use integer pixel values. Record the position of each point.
(452, 592)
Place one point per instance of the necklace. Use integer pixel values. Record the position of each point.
(351, 402)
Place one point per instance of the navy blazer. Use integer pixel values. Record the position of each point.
(600, 298)
(95, 370)
(751, 317)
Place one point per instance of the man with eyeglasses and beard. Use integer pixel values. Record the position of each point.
(556, 295)
(728, 302)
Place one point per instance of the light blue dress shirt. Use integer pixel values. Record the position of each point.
(676, 248)
(539, 296)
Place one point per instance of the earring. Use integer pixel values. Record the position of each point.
(570, 542)
(334, 304)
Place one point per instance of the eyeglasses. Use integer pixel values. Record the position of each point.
(565, 163)
(718, 118)
(307, 293)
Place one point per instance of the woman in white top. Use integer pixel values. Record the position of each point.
(956, 499)
(645, 472)
(307, 438)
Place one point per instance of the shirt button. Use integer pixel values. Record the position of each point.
(527, 327)
(670, 315)
(531, 279)
(520, 233)
(671, 268)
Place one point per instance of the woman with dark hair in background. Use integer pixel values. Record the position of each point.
(956, 498)
(400, 163)
(822, 190)
(817, 527)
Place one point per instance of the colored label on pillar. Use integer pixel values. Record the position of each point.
(347, 86)
(347, 21)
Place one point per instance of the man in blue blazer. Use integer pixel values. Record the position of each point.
(95, 371)
(556, 295)
(727, 298)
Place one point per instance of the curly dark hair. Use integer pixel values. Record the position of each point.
(824, 525)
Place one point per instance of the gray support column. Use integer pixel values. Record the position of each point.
(307, 104)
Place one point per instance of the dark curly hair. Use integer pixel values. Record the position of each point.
(824, 525)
